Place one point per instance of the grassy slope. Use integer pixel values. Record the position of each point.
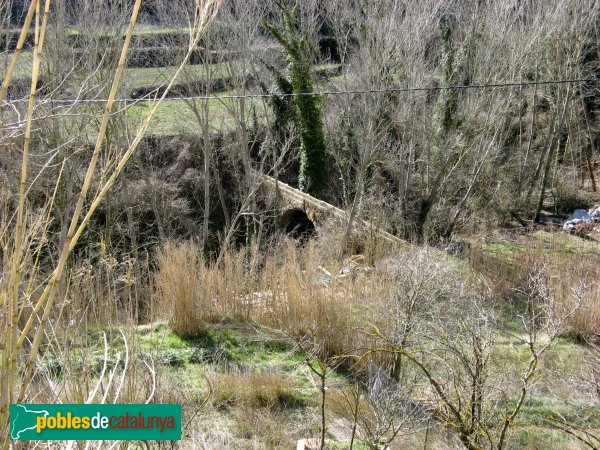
(557, 389)
(23, 67)
(264, 396)
(148, 76)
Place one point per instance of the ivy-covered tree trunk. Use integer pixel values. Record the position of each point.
(308, 116)
(313, 164)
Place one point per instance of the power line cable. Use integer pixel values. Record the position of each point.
(149, 97)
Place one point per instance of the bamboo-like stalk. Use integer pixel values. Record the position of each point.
(37, 58)
(205, 15)
(210, 10)
(11, 349)
(47, 297)
(13, 62)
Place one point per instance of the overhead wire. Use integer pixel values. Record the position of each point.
(153, 95)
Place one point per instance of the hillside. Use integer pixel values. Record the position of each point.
(313, 225)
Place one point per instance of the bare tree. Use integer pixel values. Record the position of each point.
(446, 330)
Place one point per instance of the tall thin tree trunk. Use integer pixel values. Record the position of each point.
(517, 203)
(136, 264)
(246, 161)
(218, 182)
(355, 208)
(540, 164)
(551, 150)
(587, 150)
(206, 137)
(65, 215)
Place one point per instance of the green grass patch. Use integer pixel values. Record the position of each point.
(541, 242)
(23, 67)
(177, 116)
(541, 410)
(565, 243)
(539, 438)
(149, 76)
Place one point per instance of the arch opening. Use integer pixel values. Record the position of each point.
(296, 224)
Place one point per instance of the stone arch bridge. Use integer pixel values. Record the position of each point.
(299, 209)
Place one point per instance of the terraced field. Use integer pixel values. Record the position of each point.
(174, 116)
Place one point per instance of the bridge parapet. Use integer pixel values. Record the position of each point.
(318, 211)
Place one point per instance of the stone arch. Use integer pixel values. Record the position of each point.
(297, 224)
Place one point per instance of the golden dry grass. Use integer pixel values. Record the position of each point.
(285, 289)
(255, 390)
(570, 276)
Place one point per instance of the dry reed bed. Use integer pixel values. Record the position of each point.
(283, 290)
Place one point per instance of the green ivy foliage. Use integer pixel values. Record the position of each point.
(308, 115)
